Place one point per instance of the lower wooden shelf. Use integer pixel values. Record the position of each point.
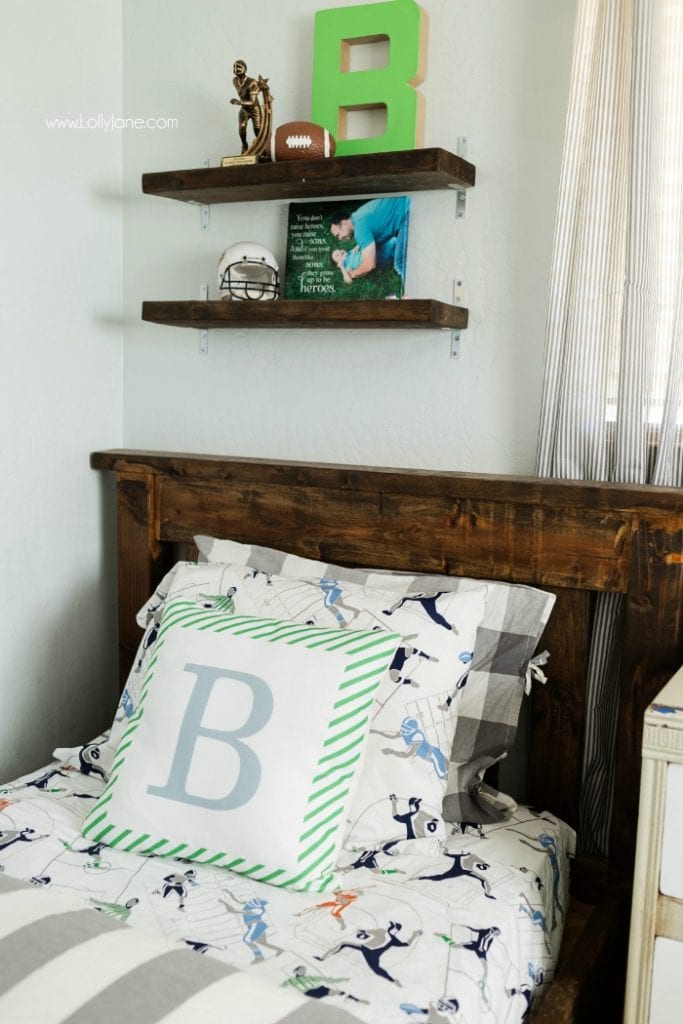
(396, 314)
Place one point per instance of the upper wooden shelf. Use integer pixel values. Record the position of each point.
(399, 313)
(407, 170)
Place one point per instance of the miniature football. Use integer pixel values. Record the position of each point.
(301, 140)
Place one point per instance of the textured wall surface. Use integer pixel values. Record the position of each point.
(61, 380)
(497, 73)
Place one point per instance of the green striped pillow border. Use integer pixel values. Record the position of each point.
(369, 655)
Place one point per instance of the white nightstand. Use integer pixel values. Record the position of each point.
(654, 985)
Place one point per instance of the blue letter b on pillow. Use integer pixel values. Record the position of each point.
(191, 729)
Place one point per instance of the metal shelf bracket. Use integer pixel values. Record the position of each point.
(461, 195)
(457, 301)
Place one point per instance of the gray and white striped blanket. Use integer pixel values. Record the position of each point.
(64, 963)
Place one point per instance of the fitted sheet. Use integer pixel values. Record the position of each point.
(422, 931)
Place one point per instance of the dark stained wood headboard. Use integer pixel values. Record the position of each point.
(577, 539)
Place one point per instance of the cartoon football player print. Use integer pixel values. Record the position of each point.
(406, 660)
(318, 986)
(337, 906)
(442, 1011)
(41, 782)
(94, 851)
(428, 603)
(466, 658)
(126, 706)
(471, 828)
(418, 824)
(10, 836)
(480, 944)
(333, 601)
(88, 757)
(120, 911)
(148, 641)
(465, 865)
(372, 944)
(198, 946)
(177, 885)
(536, 880)
(253, 914)
(526, 991)
(416, 745)
(536, 917)
(547, 845)
(253, 574)
(224, 603)
(368, 859)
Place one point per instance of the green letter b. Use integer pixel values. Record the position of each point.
(337, 90)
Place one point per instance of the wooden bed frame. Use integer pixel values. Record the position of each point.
(574, 538)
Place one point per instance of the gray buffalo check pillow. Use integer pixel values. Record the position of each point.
(514, 619)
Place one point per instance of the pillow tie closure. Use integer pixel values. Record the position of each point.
(534, 672)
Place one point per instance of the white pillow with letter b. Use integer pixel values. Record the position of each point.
(246, 745)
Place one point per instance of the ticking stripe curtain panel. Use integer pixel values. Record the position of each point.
(613, 374)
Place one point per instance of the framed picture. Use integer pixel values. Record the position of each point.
(347, 249)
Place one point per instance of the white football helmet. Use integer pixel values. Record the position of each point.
(248, 270)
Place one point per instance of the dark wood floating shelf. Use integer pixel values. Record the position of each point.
(407, 170)
(394, 314)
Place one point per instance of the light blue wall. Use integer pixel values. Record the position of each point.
(497, 73)
(61, 378)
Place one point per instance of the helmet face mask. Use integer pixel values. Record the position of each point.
(248, 271)
(409, 726)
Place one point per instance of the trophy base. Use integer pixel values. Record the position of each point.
(239, 161)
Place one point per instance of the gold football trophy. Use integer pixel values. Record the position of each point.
(256, 108)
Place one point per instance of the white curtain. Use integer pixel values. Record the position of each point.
(613, 375)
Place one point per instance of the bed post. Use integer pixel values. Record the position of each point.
(142, 558)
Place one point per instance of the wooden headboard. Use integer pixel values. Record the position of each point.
(577, 539)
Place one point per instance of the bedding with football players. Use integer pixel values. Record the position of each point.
(462, 929)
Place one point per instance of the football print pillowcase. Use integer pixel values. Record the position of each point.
(508, 636)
